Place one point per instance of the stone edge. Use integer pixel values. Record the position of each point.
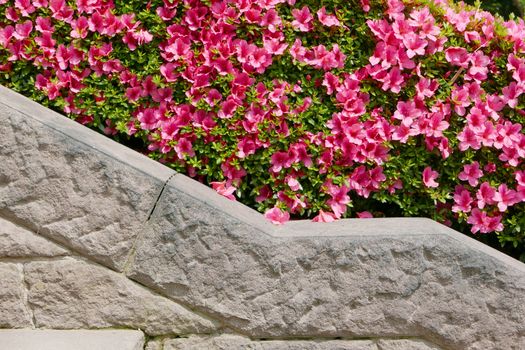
(347, 228)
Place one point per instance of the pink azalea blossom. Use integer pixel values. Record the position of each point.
(280, 160)
(293, 183)
(277, 216)
(457, 56)
(327, 20)
(483, 223)
(429, 177)
(364, 215)
(224, 188)
(303, 19)
(264, 194)
(324, 216)
(365, 5)
(462, 201)
(471, 173)
(485, 195)
(505, 197)
(339, 199)
(23, 30)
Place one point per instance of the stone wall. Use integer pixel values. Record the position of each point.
(96, 236)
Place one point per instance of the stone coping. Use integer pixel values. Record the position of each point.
(299, 228)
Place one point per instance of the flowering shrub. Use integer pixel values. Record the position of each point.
(357, 108)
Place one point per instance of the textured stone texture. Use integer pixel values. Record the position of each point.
(234, 342)
(16, 242)
(73, 294)
(71, 340)
(72, 184)
(402, 278)
(405, 344)
(13, 308)
(154, 345)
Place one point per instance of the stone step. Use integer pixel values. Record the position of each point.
(27, 339)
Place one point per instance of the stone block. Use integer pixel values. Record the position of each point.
(23, 339)
(17, 242)
(73, 294)
(232, 342)
(14, 312)
(352, 278)
(71, 184)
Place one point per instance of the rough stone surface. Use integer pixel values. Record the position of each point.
(57, 179)
(69, 340)
(155, 344)
(405, 344)
(234, 342)
(72, 294)
(13, 307)
(415, 279)
(17, 242)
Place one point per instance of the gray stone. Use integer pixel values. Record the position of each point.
(17, 242)
(234, 342)
(23, 339)
(154, 344)
(14, 312)
(71, 184)
(72, 294)
(405, 344)
(352, 278)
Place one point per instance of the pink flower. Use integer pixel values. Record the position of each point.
(224, 188)
(327, 20)
(365, 215)
(429, 176)
(79, 28)
(23, 30)
(264, 194)
(462, 201)
(457, 56)
(292, 182)
(148, 119)
(365, 4)
(505, 197)
(468, 139)
(324, 216)
(393, 80)
(277, 216)
(426, 87)
(339, 199)
(274, 46)
(303, 19)
(246, 147)
(485, 195)
(471, 173)
(414, 45)
(520, 179)
(511, 94)
(6, 34)
(483, 223)
(279, 161)
(184, 147)
(24, 6)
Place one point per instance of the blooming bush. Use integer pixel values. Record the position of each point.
(357, 108)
